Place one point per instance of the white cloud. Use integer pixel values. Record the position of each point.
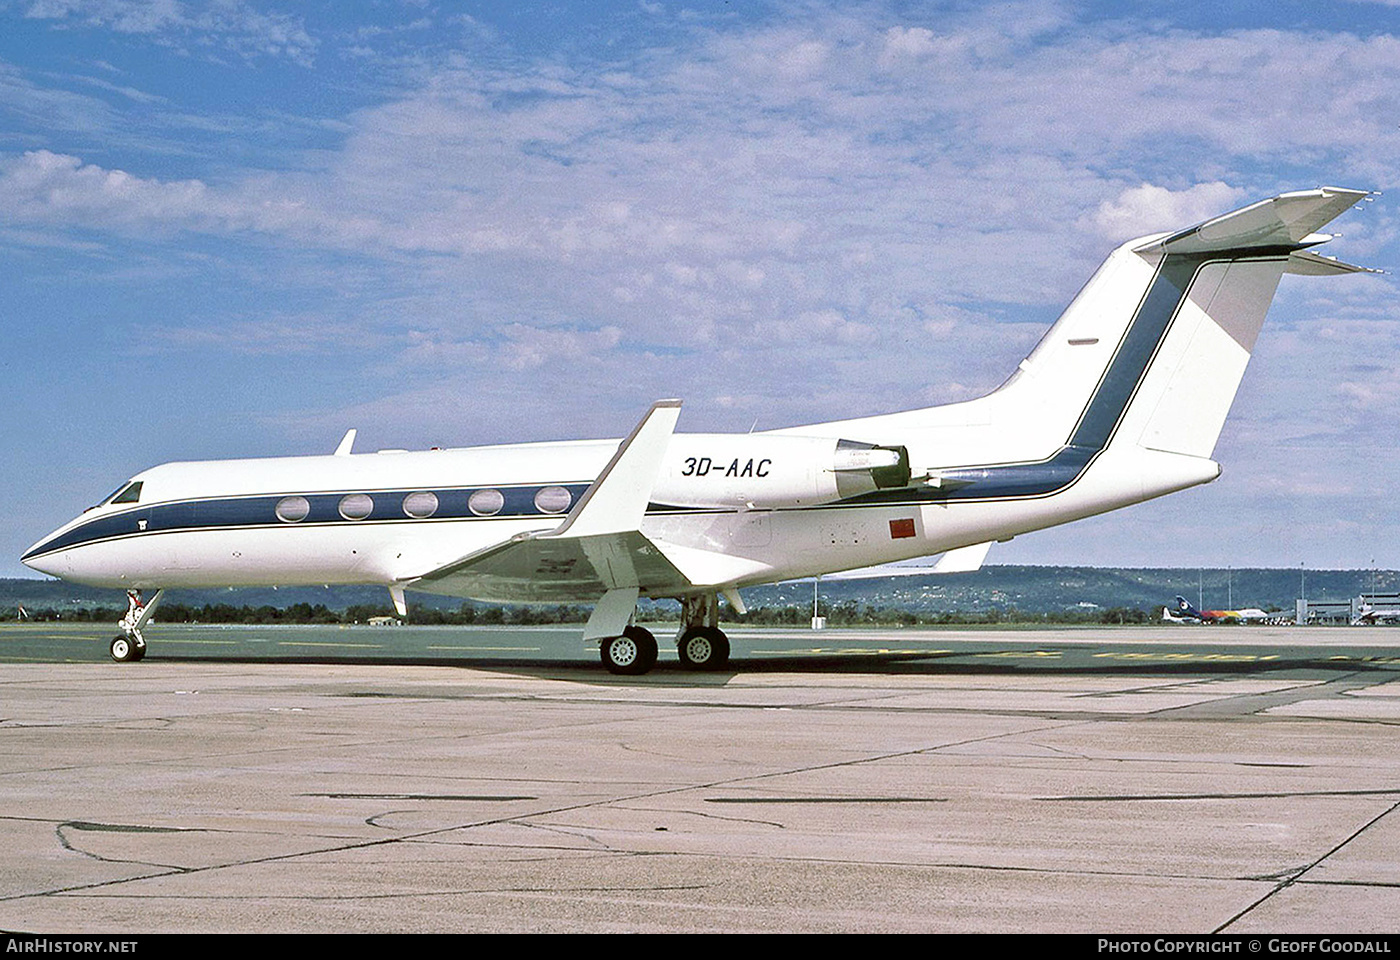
(56, 189)
(49, 187)
(1152, 209)
(528, 347)
(828, 185)
(231, 24)
(907, 43)
(124, 16)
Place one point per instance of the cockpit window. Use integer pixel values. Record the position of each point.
(130, 494)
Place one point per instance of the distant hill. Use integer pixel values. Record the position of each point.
(1037, 589)
(1029, 589)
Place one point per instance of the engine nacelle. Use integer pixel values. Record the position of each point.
(768, 470)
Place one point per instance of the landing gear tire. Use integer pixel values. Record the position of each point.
(124, 650)
(704, 648)
(631, 654)
(139, 653)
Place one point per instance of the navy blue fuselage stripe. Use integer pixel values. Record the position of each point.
(260, 511)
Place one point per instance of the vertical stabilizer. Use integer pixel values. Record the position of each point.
(1190, 387)
(1235, 262)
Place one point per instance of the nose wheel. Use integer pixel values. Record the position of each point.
(126, 650)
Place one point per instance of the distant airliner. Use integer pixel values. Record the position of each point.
(1121, 401)
(1368, 614)
(1189, 614)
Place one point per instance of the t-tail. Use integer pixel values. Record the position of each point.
(1184, 609)
(1125, 396)
(1150, 354)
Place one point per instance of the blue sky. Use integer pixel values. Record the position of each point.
(237, 229)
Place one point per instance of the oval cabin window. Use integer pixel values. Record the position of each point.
(486, 503)
(356, 506)
(292, 509)
(420, 506)
(553, 500)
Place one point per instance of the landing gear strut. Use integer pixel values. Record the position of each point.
(701, 644)
(130, 645)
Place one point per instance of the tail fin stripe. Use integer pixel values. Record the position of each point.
(1145, 333)
(1105, 409)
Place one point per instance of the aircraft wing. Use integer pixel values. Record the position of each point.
(548, 568)
(960, 560)
(598, 553)
(539, 568)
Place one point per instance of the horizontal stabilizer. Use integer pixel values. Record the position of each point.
(1288, 220)
(1309, 264)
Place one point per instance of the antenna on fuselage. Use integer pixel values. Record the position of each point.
(346, 443)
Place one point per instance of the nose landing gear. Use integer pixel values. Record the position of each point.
(130, 645)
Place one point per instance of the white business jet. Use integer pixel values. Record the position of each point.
(1122, 401)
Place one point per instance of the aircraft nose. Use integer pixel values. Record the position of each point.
(54, 564)
(48, 565)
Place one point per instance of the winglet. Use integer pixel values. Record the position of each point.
(617, 500)
(346, 443)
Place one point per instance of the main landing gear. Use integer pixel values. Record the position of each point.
(130, 645)
(703, 648)
(701, 644)
(631, 654)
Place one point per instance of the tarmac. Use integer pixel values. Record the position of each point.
(201, 795)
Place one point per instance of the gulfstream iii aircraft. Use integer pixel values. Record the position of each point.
(1122, 401)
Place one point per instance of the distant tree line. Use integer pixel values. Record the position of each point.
(851, 613)
(319, 613)
(843, 614)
